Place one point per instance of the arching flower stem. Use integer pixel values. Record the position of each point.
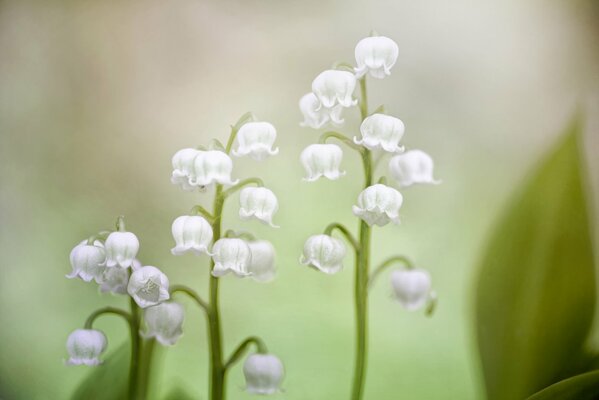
(342, 138)
(199, 210)
(346, 233)
(240, 350)
(387, 263)
(249, 181)
(192, 294)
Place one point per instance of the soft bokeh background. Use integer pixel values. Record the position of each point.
(96, 96)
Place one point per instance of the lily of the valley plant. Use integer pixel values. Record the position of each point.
(378, 203)
(109, 259)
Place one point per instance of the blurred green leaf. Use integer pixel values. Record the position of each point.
(536, 286)
(580, 387)
(109, 380)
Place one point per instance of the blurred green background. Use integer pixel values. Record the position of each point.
(96, 96)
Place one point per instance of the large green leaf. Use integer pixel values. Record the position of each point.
(580, 387)
(536, 285)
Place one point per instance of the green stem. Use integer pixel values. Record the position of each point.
(145, 364)
(363, 98)
(387, 263)
(192, 294)
(238, 353)
(343, 229)
(199, 210)
(342, 138)
(106, 310)
(135, 349)
(245, 182)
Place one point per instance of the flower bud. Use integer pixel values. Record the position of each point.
(263, 373)
(231, 255)
(411, 287)
(324, 252)
(183, 168)
(121, 249)
(334, 87)
(115, 280)
(87, 261)
(262, 263)
(378, 204)
(322, 160)
(164, 322)
(258, 202)
(414, 166)
(192, 233)
(315, 115)
(375, 55)
(148, 286)
(212, 166)
(256, 140)
(380, 131)
(85, 346)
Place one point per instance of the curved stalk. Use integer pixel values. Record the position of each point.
(342, 138)
(106, 310)
(245, 182)
(238, 353)
(346, 233)
(199, 210)
(192, 294)
(387, 263)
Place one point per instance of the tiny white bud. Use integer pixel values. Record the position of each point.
(376, 56)
(380, 131)
(164, 322)
(323, 252)
(183, 168)
(212, 166)
(148, 286)
(315, 115)
(378, 204)
(334, 87)
(115, 280)
(231, 255)
(263, 374)
(192, 233)
(87, 261)
(85, 346)
(411, 287)
(322, 160)
(414, 166)
(121, 249)
(258, 202)
(262, 264)
(256, 140)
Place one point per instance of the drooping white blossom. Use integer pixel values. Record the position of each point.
(378, 205)
(315, 115)
(192, 233)
(183, 168)
(85, 347)
(121, 249)
(413, 166)
(323, 252)
(148, 286)
(164, 322)
(322, 160)
(256, 139)
(262, 263)
(258, 202)
(411, 287)
(115, 280)
(263, 374)
(231, 255)
(334, 87)
(210, 167)
(380, 131)
(87, 261)
(376, 56)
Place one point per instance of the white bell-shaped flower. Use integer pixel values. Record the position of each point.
(121, 249)
(183, 168)
(414, 166)
(411, 287)
(334, 87)
(212, 166)
(115, 280)
(324, 252)
(322, 160)
(262, 264)
(378, 204)
(148, 286)
(192, 233)
(315, 115)
(256, 139)
(87, 261)
(263, 374)
(258, 202)
(85, 347)
(376, 56)
(380, 131)
(231, 255)
(164, 322)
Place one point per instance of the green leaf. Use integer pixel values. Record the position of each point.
(580, 387)
(536, 285)
(108, 381)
